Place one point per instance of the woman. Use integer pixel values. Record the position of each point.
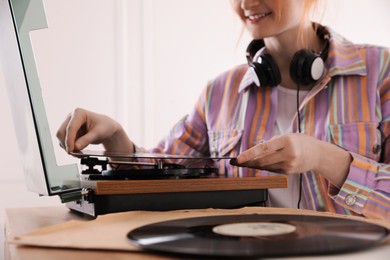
(308, 104)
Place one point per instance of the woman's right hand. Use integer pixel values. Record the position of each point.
(82, 128)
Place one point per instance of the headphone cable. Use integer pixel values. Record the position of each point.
(299, 131)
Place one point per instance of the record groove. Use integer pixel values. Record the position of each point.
(311, 235)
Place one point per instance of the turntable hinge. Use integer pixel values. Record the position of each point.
(85, 194)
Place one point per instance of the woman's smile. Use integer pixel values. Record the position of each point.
(254, 18)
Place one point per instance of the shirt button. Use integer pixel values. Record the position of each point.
(376, 149)
(350, 200)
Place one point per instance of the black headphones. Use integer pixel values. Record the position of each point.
(306, 67)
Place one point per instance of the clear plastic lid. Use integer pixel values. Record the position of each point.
(42, 174)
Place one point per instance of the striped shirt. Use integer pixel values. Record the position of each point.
(349, 107)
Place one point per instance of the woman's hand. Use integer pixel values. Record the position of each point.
(297, 153)
(82, 128)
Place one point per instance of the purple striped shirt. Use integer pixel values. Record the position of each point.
(349, 107)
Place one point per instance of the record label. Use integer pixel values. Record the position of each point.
(254, 229)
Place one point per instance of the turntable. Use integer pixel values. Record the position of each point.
(97, 189)
(160, 186)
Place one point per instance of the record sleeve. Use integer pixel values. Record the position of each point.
(256, 235)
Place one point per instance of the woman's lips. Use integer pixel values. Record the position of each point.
(253, 18)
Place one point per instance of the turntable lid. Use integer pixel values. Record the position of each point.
(42, 174)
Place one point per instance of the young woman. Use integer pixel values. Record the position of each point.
(309, 104)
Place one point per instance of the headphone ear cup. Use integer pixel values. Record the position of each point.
(271, 70)
(258, 74)
(306, 67)
(266, 71)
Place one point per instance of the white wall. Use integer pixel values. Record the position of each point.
(77, 59)
(143, 62)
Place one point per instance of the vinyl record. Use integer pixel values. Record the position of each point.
(87, 153)
(155, 174)
(258, 235)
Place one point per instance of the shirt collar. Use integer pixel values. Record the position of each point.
(246, 81)
(344, 58)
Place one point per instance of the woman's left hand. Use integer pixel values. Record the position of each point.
(296, 153)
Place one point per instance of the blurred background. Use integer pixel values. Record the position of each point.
(144, 63)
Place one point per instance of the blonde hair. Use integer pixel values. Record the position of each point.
(314, 12)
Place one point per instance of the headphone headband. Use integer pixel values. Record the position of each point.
(323, 34)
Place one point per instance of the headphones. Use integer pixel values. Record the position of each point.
(306, 66)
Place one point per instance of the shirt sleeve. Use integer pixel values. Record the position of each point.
(366, 190)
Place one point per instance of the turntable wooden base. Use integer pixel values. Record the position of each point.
(185, 185)
(124, 195)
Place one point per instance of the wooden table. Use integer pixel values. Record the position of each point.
(24, 220)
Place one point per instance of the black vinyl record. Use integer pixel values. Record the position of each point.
(258, 235)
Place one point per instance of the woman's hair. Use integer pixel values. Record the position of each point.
(314, 11)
